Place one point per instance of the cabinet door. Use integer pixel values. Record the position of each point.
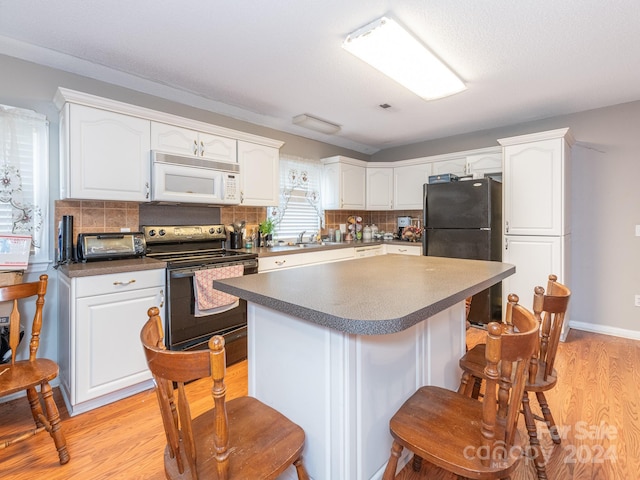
(172, 139)
(108, 155)
(482, 164)
(535, 258)
(184, 141)
(331, 186)
(352, 186)
(408, 188)
(379, 188)
(215, 147)
(534, 188)
(457, 166)
(108, 352)
(259, 174)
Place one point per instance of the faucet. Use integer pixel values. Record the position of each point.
(314, 237)
(300, 235)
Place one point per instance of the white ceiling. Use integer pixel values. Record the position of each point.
(268, 61)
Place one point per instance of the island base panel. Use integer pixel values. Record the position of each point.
(342, 389)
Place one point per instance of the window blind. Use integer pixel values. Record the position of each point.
(24, 179)
(300, 204)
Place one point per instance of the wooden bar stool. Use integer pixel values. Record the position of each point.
(239, 439)
(459, 434)
(549, 308)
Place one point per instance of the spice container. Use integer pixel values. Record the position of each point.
(367, 234)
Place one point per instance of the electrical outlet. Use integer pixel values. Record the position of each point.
(637, 300)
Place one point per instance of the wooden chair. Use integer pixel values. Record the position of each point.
(239, 439)
(26, 375)
(457, 433)
(549, 309)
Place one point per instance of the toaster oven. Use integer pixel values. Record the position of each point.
(110, 246)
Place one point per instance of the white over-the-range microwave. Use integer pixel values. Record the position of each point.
(181, 179)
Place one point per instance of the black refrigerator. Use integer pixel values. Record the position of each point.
(464, 220)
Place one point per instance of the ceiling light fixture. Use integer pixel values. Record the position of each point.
(317, 124)
(388, 47)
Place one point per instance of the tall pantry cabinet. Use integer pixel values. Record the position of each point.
(536, 204)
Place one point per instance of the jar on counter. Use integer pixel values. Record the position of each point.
(367, 234)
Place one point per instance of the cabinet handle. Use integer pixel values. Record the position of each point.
(402, 249)
(161, 298)
(241, 196)
(280, 262)
(147, 187)
(506, 244)
(195, 147)
(133, 280)
(506, 226)
(201, 148)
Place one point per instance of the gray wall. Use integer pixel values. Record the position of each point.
(606, 199)
(605, 271)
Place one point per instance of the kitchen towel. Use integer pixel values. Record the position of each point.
(208, 300)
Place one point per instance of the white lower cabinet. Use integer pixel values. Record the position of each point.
(101, 358)
(535, 258)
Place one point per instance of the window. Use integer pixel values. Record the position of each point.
(300, 207)
(24, 179)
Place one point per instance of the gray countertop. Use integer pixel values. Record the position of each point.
(369, 296)
(110, 266)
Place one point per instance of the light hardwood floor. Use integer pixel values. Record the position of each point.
(596, 402)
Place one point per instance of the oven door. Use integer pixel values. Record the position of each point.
(186, 331)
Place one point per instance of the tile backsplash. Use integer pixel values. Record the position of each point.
(95, 216)
(386, 221)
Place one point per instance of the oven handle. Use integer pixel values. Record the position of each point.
(190, 272)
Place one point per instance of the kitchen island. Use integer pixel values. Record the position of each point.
(338, 347)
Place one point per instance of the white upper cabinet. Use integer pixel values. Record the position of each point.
(379, 188)
(343, 183)
(103, 155)
(105, 149)
(408, 186)
(480, 165)
(456, 166)
(536, 183)
(259, 174)
(183, 141)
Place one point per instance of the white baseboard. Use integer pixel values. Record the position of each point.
(606, 330)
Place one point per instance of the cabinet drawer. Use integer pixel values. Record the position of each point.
(281, 262)
(118, 282)
(404, 249)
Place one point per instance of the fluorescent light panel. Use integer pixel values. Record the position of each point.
(317, 124)
(388, 47)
